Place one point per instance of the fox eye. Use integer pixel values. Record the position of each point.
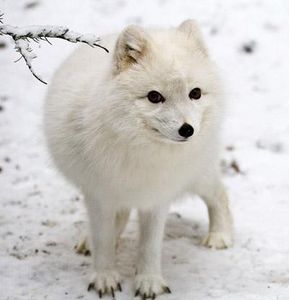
(155, 97)
(195, 93)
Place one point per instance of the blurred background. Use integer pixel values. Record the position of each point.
(41, 216)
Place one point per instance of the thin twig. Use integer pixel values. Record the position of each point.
(23, 48)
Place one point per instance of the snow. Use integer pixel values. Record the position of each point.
(41, 216)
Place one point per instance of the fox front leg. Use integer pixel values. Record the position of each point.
(105, 279)
(149, 281)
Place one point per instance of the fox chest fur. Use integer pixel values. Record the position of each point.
(130, 175)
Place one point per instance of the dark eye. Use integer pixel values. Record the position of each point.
(195, 93)
(155, 97)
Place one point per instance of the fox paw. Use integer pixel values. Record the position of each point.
(150, 286)
(105, 282)
(82, 247)
(218, 240)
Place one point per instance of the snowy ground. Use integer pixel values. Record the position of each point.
(41, 216)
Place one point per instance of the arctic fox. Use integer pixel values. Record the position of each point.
(138, 128)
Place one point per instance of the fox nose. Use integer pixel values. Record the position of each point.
(186, 130)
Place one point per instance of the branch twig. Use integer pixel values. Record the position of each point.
(22, 37)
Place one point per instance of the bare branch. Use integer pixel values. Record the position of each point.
(22, 37)
(59, 32)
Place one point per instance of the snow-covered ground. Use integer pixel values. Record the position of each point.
(41, 216)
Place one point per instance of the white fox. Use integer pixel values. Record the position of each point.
(138, 128)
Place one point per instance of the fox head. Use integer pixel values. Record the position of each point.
(166, 86)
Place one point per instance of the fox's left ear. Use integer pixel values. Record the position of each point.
(132, 45)
(191, 29)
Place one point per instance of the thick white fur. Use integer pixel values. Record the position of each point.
(125, 152)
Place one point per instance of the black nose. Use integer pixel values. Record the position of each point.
(186, 130)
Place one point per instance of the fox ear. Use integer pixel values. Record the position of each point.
(131, 46)
(191, 29)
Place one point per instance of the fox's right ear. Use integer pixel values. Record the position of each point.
(131, 46)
